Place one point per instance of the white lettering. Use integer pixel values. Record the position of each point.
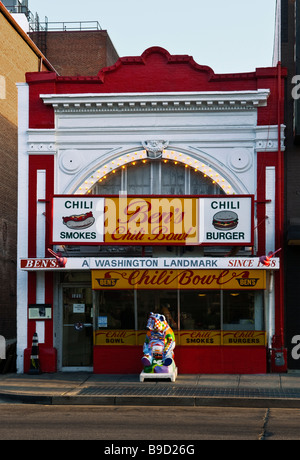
(296, 350)
(296, 81)
(116, 450)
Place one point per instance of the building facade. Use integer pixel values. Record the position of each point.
(154, 186)
(287, 50)
(18, 55)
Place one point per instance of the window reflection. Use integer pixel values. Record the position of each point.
(117, 308)
(200, 310)
(184, 310)
(164, 302)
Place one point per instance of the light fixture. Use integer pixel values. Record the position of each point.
(266, 260)
(61, 261)
(177, 157)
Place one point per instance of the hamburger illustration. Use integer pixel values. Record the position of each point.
(225, 220)
(79, 222)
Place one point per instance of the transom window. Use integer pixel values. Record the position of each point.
(156, 178)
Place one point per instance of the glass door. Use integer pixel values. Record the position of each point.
(77, 343)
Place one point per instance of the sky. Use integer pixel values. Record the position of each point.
(226, 35)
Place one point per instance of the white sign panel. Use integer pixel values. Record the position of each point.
(132, 263)
(78, 220)
(226, 220)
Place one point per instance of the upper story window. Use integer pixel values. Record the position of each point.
(157, 178)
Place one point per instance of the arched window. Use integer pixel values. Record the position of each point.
(156, 178)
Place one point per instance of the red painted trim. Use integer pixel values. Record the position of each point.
(31, 295)
(39, 162)
(49, 299)
(154, 71)
(189, 360)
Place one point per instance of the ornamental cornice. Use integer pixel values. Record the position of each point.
(157, 102)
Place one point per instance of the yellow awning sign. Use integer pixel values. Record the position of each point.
(178, 279)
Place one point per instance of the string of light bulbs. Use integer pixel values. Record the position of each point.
(134, 158)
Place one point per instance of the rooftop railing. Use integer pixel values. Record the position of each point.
(64, 26)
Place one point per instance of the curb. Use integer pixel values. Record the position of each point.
(26, 399)
(171, 401)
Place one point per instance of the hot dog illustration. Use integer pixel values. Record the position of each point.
(80, 221)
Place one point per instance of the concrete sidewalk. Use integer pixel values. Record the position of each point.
(269, 390)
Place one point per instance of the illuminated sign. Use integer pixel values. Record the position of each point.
(78, 220)
(93, 220)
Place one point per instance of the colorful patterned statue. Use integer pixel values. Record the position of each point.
(158, 346)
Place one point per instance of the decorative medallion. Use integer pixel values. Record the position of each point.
(155, 148)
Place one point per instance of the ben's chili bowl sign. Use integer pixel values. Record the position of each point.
(178, 279)
(155, 220)
(151, 220)
(77, 220)
(94, 263)
(226, 220)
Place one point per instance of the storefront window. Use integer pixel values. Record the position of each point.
(164, 302)
(242, 310)
(116, 310)
(200, 310)
(184, 310)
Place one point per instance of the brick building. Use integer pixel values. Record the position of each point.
(97, 152)
(24, 44)
(18, 55)
(287, 50)
(67, 49)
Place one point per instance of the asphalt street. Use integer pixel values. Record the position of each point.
(165, 425)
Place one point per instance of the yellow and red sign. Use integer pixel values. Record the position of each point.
(155, 220)
(111, 337)
(151, 220)
(184, 338)
(244, 338)
(200, 338)
(178, 279)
